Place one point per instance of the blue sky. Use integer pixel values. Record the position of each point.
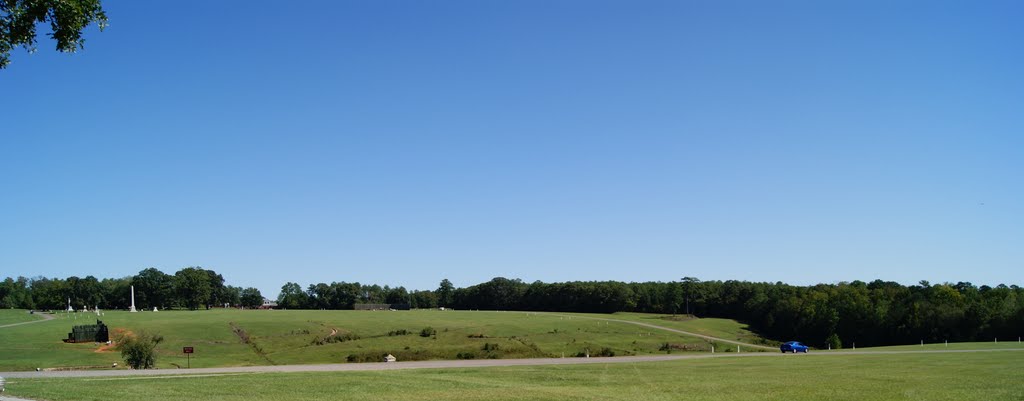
(403, 142)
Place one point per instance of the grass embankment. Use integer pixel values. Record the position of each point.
(721, 328)
(985, 376)
(253, 337)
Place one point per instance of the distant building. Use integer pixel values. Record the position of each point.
(268, 304)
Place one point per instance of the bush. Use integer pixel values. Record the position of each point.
(400, 332)
(427, 332)
(833, 341)
(139, 351)
(606, 352)
(337, 338)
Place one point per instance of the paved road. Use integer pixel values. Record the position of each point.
(653, 326)
(458, 364)
(46, 316)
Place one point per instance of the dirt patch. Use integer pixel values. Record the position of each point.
(121, 333)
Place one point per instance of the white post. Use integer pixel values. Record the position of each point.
(922, 343)
(712, 349)
(830, 346)
(947, 343)
(133, 300)
(737, 349)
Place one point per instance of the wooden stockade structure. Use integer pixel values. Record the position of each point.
(381, 306)
(89, 333)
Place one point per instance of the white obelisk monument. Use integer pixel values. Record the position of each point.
(133, 300)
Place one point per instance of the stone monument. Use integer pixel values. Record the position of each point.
(132, 309)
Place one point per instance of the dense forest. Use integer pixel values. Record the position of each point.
(836, 315)
(190, 288)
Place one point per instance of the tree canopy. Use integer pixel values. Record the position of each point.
(67, 19)
(875, 313)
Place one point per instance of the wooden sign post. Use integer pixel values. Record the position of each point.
(188, 354)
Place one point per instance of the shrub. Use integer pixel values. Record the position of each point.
(833, 341)
(427, 332)
(139, 351)
(337, 338)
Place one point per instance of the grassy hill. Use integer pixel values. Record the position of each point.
(9, 316)
(722, 328)
(227, 337)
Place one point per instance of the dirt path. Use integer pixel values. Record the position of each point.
(654, 326)
(45, 317)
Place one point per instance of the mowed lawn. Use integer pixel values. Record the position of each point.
(984, 376)
(722, 328)
(9, 316)
(258, 337)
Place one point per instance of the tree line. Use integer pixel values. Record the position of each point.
(189, 288)
(836, 315)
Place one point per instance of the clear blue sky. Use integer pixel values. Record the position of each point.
(403, 142)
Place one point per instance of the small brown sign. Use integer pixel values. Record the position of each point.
(187, 350)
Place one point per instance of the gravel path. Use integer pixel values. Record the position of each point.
(46, 316)
(3, 398)
(457, 364)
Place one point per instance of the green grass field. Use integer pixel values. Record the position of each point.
(986, 376)
(948, 347)
(293, 337)
(8, 316)
(722, 328)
